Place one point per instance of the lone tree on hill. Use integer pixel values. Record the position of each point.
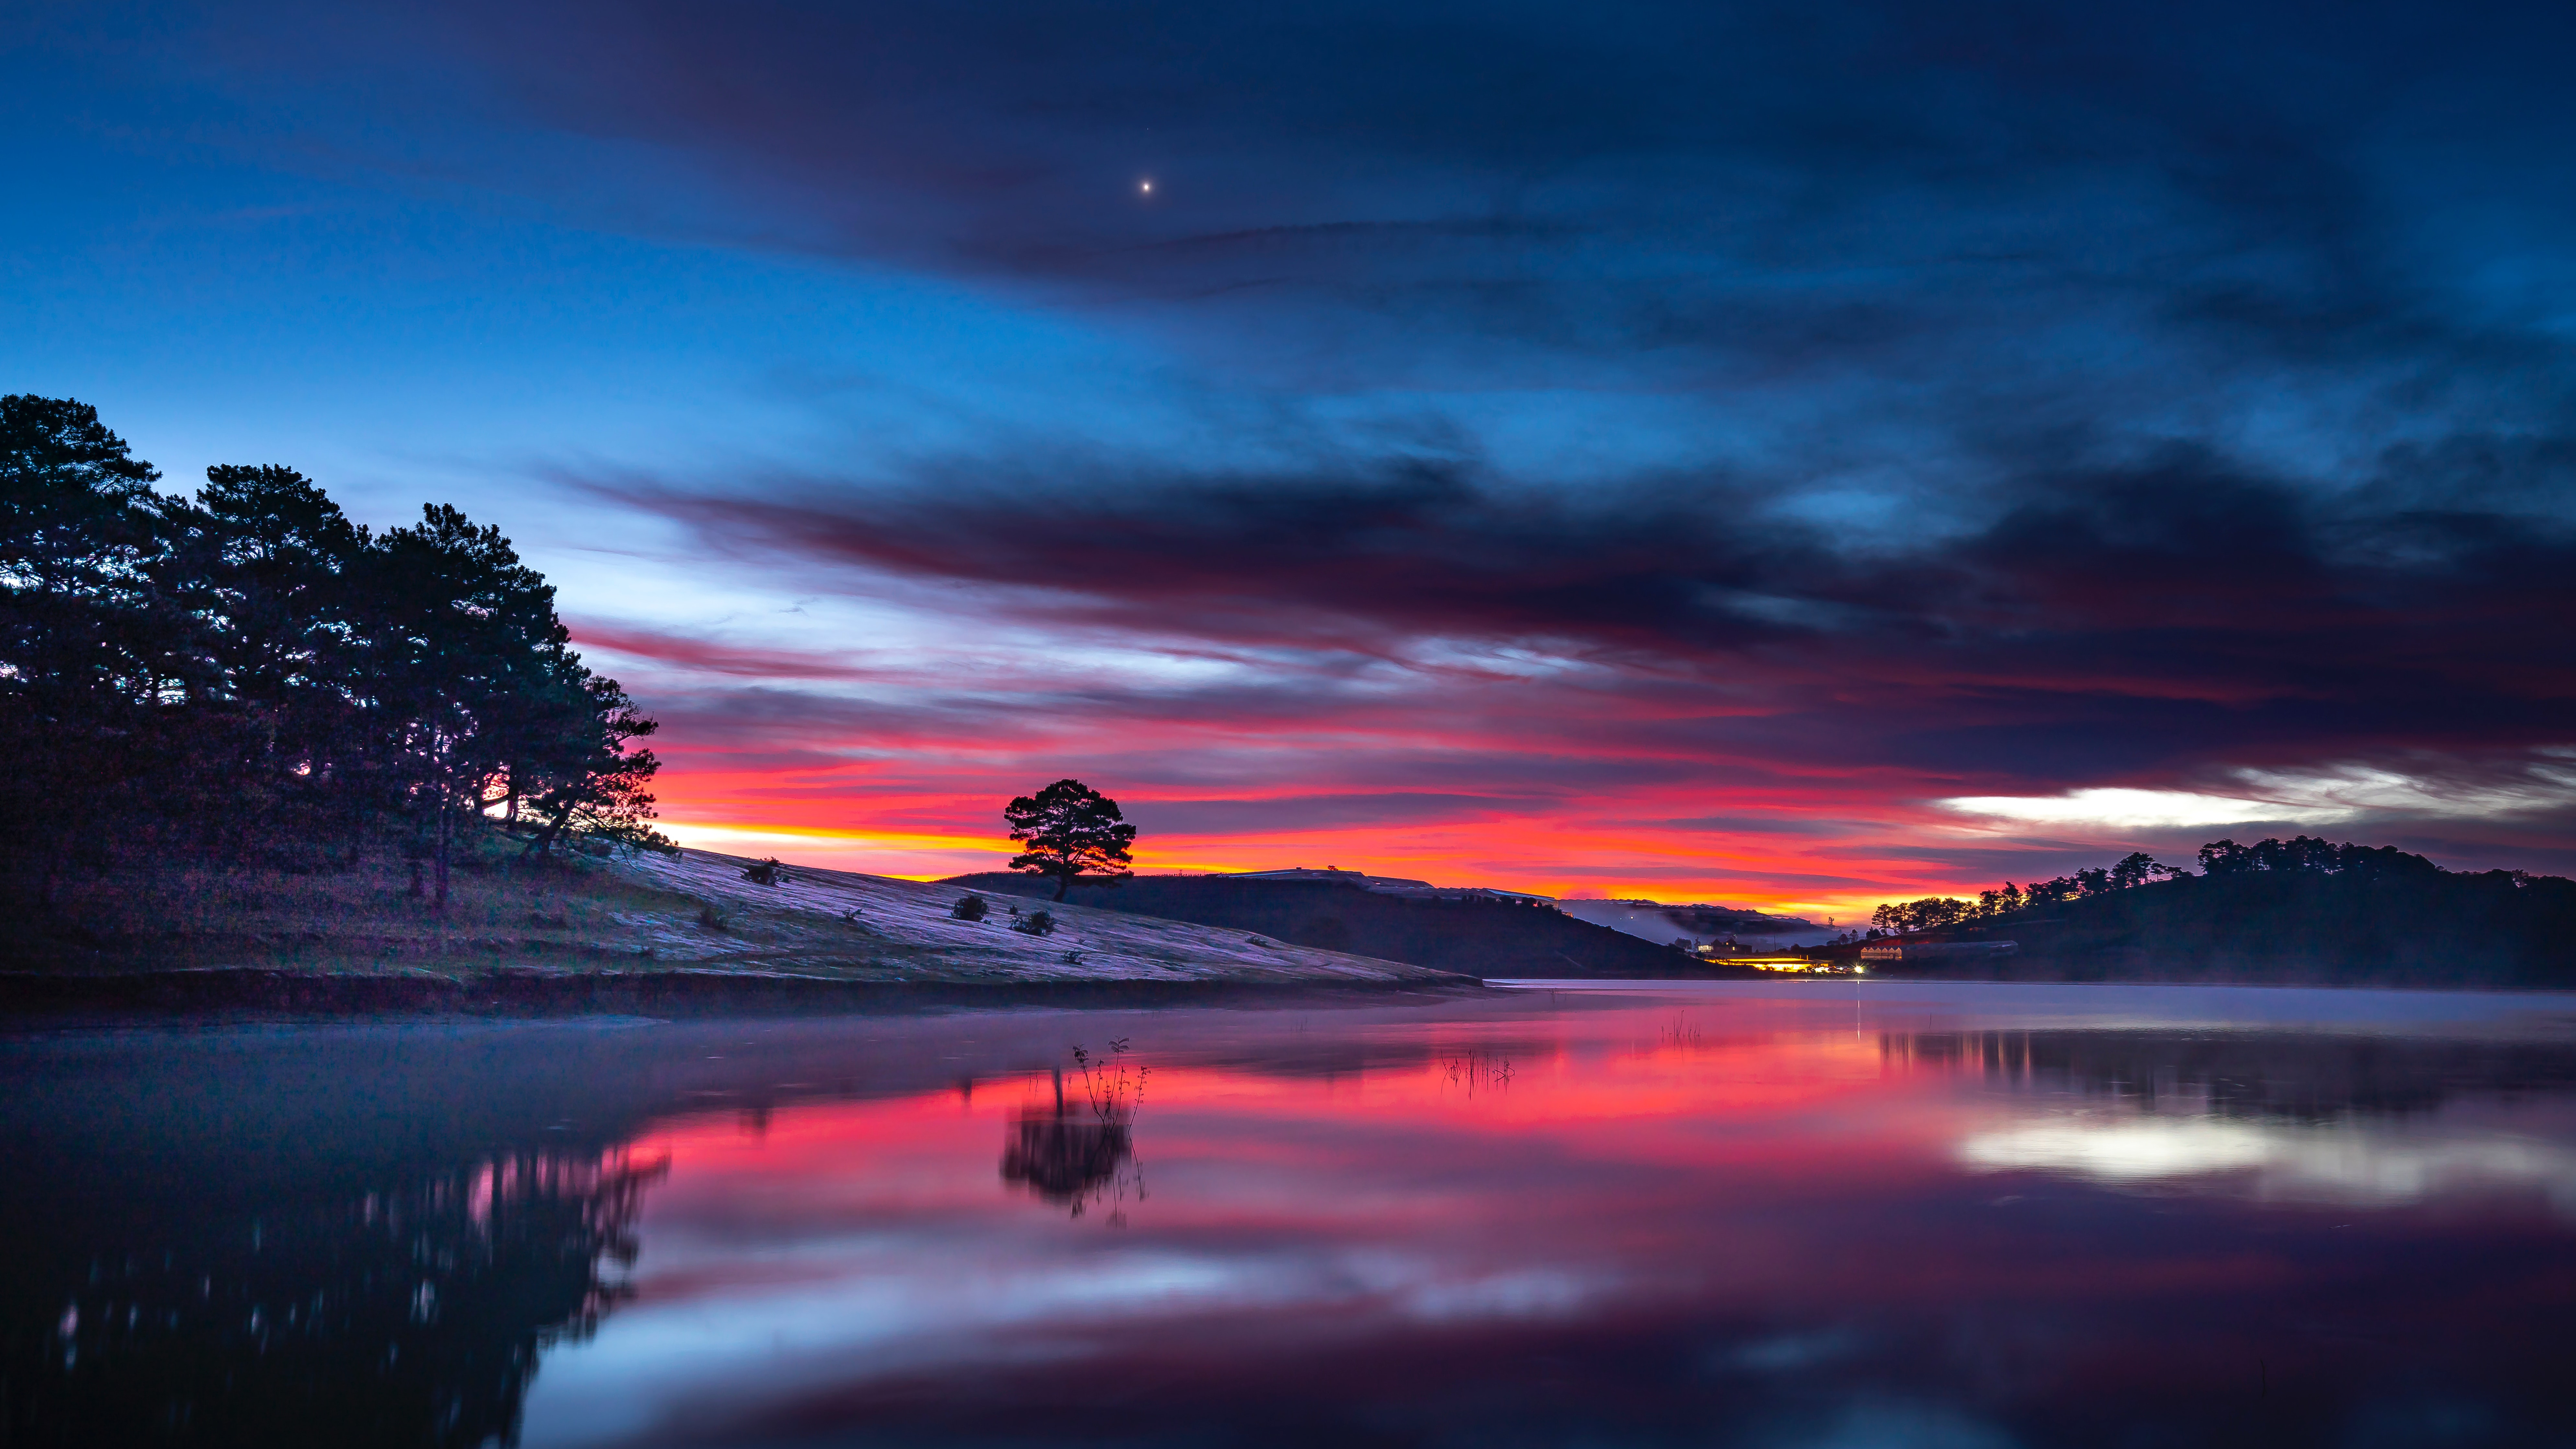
(1071, 830)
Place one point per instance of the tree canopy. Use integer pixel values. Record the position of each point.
(1071, 831)
(2220, 858)
(248, 675)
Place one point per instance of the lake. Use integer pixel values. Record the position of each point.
(1805, 1213)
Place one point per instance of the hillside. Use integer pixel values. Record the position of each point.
(2427, 927)
(694, 911)
(1472, 937)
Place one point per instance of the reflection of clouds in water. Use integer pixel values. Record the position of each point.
(885, 1309)
(1901, 1426)
(896, 1307)
(1737, 1226)
(1795, 1352)
(2140, 1150)
(2342, 1162)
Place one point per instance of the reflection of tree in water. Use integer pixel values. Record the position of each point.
(1471, 1071)
(1077, 1154)
(2248, 1074)
(409, 1315)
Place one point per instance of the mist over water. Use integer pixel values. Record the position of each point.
(1791, 1214)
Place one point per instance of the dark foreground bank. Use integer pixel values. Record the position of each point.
(640, 993)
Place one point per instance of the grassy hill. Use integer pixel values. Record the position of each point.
(2493, 928)
(1473, 938)
(696, 911)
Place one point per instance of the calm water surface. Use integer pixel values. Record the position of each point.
(1804, 1214)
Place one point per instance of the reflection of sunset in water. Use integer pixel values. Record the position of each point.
(1773, 1206)
(1772, 1215)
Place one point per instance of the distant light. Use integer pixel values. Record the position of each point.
(1146, 187)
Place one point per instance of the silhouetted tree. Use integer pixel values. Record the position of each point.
(250, 672)
(465, 643)
(269, 568)
(2301, 854)
(91, 651)
(488, 707)
(2308, 854)
(1071, 830)
(1929, 913)
(2135, 869)
(580, 772)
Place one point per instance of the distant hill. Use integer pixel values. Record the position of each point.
(2389, 925)
(1484, 938)
(1662, 923)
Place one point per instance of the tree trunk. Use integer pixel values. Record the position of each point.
(1063, 883)
(444, 830)
(544, 842)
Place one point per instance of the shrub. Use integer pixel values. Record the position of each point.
(762, 872)
(969, 908)
(1039, 923)
(712, 916)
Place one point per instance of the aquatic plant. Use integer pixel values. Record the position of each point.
(1084, 1153)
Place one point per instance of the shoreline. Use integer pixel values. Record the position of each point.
(224, 993)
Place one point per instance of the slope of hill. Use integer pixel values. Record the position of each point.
(696, 911)
(2495, 928)
(1473, 937)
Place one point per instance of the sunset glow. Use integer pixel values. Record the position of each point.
(1893, 459)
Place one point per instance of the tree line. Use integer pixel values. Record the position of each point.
(2302, 854)
(247, 676)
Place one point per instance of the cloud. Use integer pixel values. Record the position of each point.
(2135, 809)
(1555, 439)
(2181, 614)
(2299, 798)
(1717, 198)
(1486, 672)
(709, 656)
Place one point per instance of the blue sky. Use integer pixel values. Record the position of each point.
(1502, 441)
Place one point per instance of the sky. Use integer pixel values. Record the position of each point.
(1791, 455)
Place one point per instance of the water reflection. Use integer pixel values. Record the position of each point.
(2273, 1116)
(2265, 1074)
(1079, 1151)
(1065, 1159)
(1474, 1071)
(414, 1313)
(1767, 1219)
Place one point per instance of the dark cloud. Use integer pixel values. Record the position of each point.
(2039, 395)
(1772, 188)
(710, 656)
(2115, 623)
